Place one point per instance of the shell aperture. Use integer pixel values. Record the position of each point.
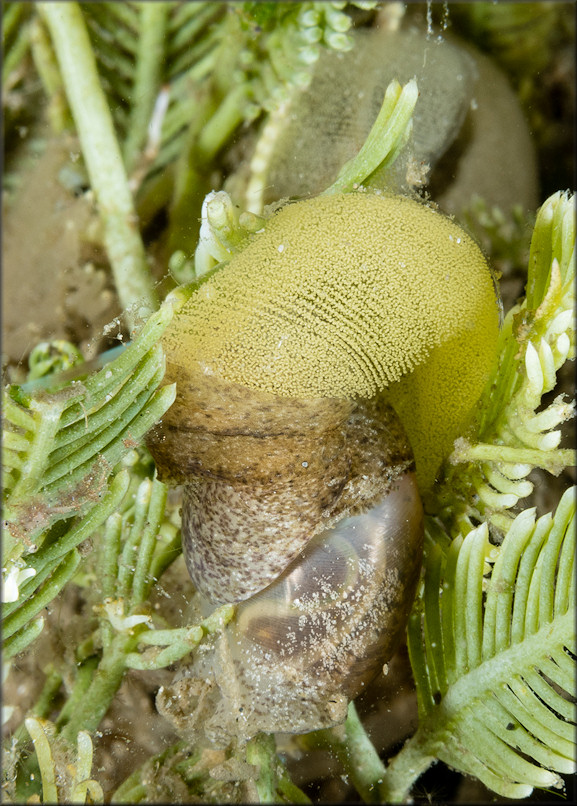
(323, 630)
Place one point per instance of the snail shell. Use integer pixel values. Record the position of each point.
(306, 643)
(300, 496)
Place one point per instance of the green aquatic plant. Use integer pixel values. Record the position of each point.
(517, 432)
(491, 635)
(59, 450)
(79, 787)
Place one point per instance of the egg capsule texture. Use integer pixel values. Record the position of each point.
(341, 297)
(468, 125)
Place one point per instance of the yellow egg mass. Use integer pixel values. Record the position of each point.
(347, 296)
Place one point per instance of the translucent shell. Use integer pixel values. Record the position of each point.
(299, 650)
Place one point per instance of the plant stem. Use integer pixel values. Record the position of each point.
(11, 22)
(554, 460)
(361, 760)
(109, 553)
(102, 690)
(148, 542)
(373, 781)
(403, 770)
(290, 791)
(16, 53)
(356, 754)
(62, 574)
(160, 562)
(45, 759)
(147, 77)
(45, 61)
(18, 642)
(102, 156)
(191, 182)
(261, 751)
(133, 790)
(84, 677)
(43, 704)
(385, 140)
(110, 500)
(227, 117)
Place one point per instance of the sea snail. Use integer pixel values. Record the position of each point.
(300, 493)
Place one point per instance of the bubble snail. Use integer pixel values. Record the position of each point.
(351, 327)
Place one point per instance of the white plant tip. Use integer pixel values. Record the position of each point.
(12, 578)
(114, 609)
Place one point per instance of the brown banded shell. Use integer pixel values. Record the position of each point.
(267, 492)
(300, 648)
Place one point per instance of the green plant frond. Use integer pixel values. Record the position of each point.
(15, 43)
(63, 782)
(178, 79)
(388, 136)
(141, 539)
(150, 56)
(289, 40)
(142, 47)
(60, 448)
(30, 582)
(136, 536)
(516, 434)
(542, 324)
(494, 654)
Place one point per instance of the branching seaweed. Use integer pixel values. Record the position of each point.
(492, 656)
(516, 433)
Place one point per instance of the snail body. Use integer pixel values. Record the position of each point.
(300, 497)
